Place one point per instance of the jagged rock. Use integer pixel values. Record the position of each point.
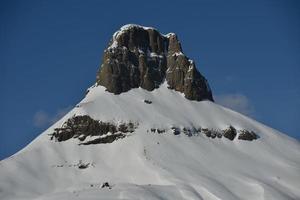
(229, 133)
(176, 131)
(82, 165)
(212, 133)
(159, 131)
(153, 130)
(106, 185)
(187, 131)
(147, 101)
(142, 57)
(81, 127)
(247, 135)
(123, 128)
(174, 44)
(135, 58)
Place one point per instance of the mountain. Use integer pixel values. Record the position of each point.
(149, 129)
(142, 57)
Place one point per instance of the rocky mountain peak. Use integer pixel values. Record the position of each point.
(174, 44)
(140, 56)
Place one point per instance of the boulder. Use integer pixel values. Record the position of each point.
(229, 133)
(247, 135)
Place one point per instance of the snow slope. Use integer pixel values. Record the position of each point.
(148, 165)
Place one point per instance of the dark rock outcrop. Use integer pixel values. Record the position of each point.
(175, 130)
(142, 57)
(81, 127)
(212, 133)
(229, 133)
(247, 135)
(147, 101)
(106, 185)
(82, 165)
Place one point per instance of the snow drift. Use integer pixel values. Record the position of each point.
(147, 165)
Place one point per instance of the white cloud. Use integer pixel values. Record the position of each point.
(41, 119)
(237, 102)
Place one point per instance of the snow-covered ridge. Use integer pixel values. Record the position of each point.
(155, 166)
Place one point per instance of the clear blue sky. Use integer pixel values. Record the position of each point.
(50, 52)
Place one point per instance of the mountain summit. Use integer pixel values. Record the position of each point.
(136, 136)
(140, 56)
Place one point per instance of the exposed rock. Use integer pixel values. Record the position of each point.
(174, 44)
(176, 131)
(206, 132)
(125, 128)
(211, 133)
(82, 165)
(142, 57)
(153, 130)
(247, 135)
(147, 101)
(187, 131)
(159, 131)
(197, 130)
(106, 185)
(229, 133)
(81, 127)
(182, 75)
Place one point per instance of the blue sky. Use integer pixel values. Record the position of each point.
(50, 52)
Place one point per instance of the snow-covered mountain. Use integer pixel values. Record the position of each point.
(153, 141)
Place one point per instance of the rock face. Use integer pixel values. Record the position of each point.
(90, 131)
(84, 126)
(247, 135)
(142, 57)
(230, 133)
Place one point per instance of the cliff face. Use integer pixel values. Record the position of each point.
(142, 57)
